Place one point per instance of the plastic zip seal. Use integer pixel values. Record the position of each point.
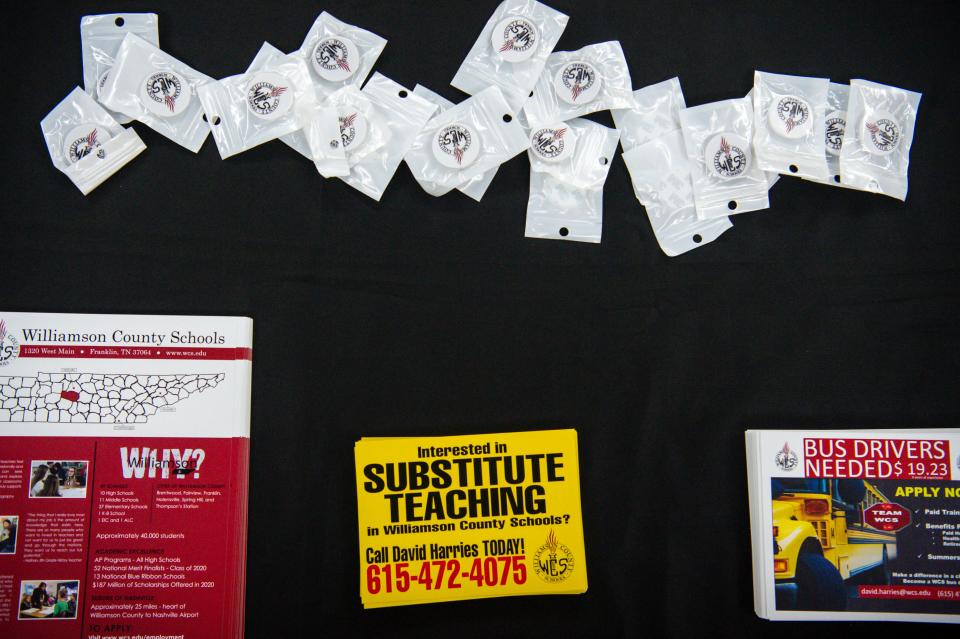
(656, 113)
(465, 142)
(100, 38)
(789, 114)
(875, 154)
(252, 108)
(511, 50)
(155, 88)
(402, 115)
(576, 83)
(563, 210)
(86, 143)
(726, 178)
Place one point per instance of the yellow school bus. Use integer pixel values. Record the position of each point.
(820, 541)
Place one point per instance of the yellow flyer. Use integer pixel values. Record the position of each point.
(471, 516)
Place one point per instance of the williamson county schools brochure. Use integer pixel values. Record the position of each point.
(124, 445)
(855, 525)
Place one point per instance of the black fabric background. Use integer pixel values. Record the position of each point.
(436, 316)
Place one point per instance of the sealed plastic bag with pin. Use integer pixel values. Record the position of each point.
(656, 113)
(789, 112)
(575, 83)
(382, 140)
(661, 173)
(249, 109)
(86, 143)
(151, 86)
(100, 38)
(477, 185)
(875, 153)
(834, 125)
(465, 142)
(726, 178)
(570, 207)
(339, 54)
(319, 138)
(511, 51)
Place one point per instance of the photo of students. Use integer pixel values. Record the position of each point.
(58, 479)
(8, 534)
(50, 599)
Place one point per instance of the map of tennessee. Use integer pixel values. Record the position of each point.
(95, 397)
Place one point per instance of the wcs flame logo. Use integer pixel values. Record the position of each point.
(277, 91)
(786, 459)
(9, 347)
(725, 147)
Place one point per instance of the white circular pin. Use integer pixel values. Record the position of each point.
(165, 93)
(83, 140)
(102, 80)
(790, 116)
(456, 146)
(515, 39)
(353, 129)
(553, 143)
(335, 58)
(269, 95)
(881, 133)
(727, 155)
(834, 127)
(577, 82)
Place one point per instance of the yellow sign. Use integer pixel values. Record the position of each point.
(465, 517)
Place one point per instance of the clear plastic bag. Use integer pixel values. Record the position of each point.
(575, 83)
(477, 185)
(400, 115)
(875, 154)
(85, 142)
(155, 88)
(789, 112)
(573, 210)
(660, 170)
(511, 51)
(574, 152)
(835, 123)
(726, 177)
(657, 113)
(100, 38)
(339, 54)
(464, 142)
(662, 180)
(252, 108)
(319, 139)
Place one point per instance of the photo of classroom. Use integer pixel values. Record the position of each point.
(49, 599)
(58, 479)
(8, 534)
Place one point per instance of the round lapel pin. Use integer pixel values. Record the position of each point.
(790, 116)
(881, 133)
(554, 143)
(84, 140)
(335, 58)
(269, 95)
(353, 129)
(834, 128)
(727, 156)
(515, 39)
(165, 93)
(577, 82)
(456, 146)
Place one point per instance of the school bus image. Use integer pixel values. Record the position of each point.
(820, 541)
